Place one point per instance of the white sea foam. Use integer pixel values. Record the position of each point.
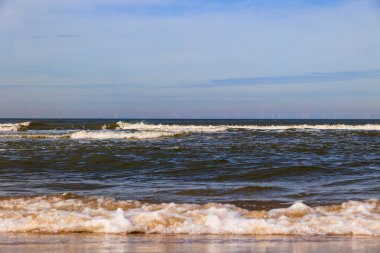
(101, 135)
(91, 135)
(171, 128)
(57, 214)
(12, 127)
(222, 128)
(367, 127)
(141, 130)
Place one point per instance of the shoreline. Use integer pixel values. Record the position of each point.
(83, 242)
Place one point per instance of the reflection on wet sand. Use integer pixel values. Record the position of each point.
(30, 243)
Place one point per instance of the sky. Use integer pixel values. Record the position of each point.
(190, 59)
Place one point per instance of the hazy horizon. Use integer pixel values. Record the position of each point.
(195, 119)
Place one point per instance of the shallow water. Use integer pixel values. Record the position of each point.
(31, 243)
(251, 164)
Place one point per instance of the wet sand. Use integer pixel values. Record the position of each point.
(40, 243)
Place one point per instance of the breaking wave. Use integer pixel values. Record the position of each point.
(71, 213)
(13, 127)
(119, 135)
(125, 130)
(220, 128)
(171, 128)
(91, 135)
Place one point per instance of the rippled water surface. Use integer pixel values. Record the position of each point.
(252, 164)
(247, 167)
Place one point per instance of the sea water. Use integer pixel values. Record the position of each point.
(224, 177)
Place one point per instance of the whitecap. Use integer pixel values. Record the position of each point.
(12, 127)
(58, 214)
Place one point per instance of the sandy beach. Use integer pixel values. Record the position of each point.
(33, 243)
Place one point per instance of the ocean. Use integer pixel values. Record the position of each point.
(190, 177)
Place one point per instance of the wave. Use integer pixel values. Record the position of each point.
(71, 213)
(90, 135)
(101, 135)
(367, 127)
(221, 128)
(178, 129)
(124, 130)
(170, 128)
(13, 127)
(35, 136)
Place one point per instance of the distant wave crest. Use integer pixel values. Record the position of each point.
(220, 128)
(171, 128)
(13, 127)
(118, 135)
(125, 130)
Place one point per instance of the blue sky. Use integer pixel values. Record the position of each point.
(190, 59)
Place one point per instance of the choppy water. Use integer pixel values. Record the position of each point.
(254, 169)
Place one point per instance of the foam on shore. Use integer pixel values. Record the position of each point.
(71, 213)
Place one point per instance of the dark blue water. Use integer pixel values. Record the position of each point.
(255, 164)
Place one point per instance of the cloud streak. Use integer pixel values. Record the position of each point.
(59, 36)
(297, 79)
(90, 86)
